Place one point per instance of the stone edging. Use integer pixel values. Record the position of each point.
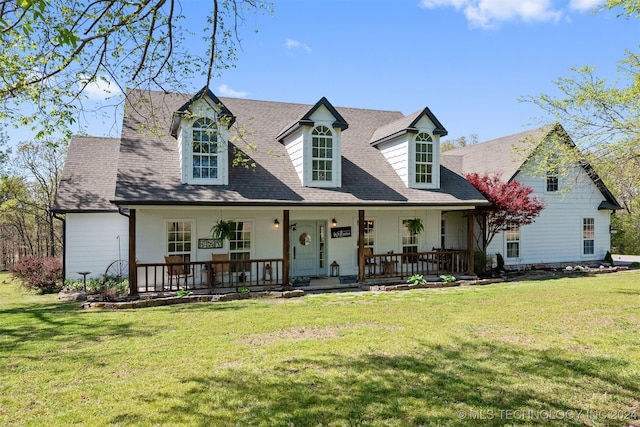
(157, 302)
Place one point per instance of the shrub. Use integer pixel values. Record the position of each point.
(608, 258)
(416, 279)
(38, 274)
(500, 262)
(108, 287)
(111, 286)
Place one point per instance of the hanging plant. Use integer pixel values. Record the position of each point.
(415, 226)
(223, 230)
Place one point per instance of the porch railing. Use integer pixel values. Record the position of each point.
(404, 265)
(162, 276)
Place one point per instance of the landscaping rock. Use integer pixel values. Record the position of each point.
(293, 294)
(72, 296)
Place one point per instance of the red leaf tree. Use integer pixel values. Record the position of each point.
(511, 204)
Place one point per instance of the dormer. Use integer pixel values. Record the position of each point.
(201, 127)
(314, 145)
(411, 145)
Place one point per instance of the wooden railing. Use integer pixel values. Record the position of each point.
(159, 277)
(403, 265)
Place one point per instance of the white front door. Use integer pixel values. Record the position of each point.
(305, 248)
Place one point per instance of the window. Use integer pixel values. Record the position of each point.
(588, 236)
(369, 234)
(552, 179)
(205, 149)
(240, 245)
(513, 241)
(179, 239)
(321, 154)
(409, 242)
(443, 233)
(424, 158)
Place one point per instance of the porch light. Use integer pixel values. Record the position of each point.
(334, 222)
(276, 223)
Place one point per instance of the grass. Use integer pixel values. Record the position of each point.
(561, 351)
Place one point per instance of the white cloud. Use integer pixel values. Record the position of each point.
(295, 44)
(99, 89)
(490, 13)
(227, 91)
(584, 5)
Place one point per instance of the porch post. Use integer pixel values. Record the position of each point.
(470, 214)
(286, 243)
(361, 245)
(133, 271)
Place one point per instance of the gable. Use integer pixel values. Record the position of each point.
(512, 154)
(411, 145)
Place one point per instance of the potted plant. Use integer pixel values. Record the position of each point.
(223, 230)
(415, 226)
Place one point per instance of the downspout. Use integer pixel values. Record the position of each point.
(64, 245)
(133, 277)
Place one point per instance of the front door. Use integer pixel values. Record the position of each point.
(306, 249)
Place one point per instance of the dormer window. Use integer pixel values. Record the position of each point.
(424, 158)
(411, 145)
(201, 129)
(205, 149)
(321, 154)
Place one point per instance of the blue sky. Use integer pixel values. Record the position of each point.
(467, 60)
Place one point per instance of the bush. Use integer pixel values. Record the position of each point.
(417, 279)
(109, 287)
(608, 258)
(42, 275)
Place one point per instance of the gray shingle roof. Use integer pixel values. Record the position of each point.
(507, 155)
(89, 178)
(149, 169)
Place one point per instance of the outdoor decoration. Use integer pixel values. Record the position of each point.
(223, 230)
(415, 226)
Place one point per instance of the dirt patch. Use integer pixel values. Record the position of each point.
(300, 333)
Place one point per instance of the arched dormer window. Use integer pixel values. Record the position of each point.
(321, 154)
(205, 149)
(424, 158)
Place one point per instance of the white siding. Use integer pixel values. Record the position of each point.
(556, 235)
(92, 242)
(397, 154)
(295, 149)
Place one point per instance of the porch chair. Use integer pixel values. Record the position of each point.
(370, 261)
(177, 268)
(219, 268)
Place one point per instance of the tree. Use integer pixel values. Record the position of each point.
(53, 50)
(458, 142)
(511, 204)
(44, 162)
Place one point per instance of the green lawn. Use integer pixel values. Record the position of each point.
(525, 353)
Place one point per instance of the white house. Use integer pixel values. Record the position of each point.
(319, 187)
(310, 190)
(574, 227)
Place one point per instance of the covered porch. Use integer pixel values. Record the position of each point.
(270, 273)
